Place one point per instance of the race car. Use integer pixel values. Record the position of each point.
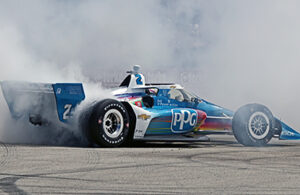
(144, 112)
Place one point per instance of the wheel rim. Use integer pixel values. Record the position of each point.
(113, 123)
(259, 125)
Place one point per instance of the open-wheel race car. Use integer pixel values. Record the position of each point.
(144, 112)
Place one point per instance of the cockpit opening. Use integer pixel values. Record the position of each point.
(182, 95)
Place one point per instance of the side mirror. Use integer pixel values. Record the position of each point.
(148, 101)
(196, 100)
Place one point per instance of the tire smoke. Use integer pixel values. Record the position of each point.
(231, 53)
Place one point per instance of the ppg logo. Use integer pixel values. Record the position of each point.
(183, 119)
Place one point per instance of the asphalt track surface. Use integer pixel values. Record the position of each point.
(218, 167)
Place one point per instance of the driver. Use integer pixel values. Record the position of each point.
(176, 95)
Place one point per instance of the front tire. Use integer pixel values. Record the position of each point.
(109, 123)
(253, 125)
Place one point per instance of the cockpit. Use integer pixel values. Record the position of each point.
(182, 95)
(154, 94)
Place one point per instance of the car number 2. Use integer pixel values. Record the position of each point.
(138, 79)
(67, 108)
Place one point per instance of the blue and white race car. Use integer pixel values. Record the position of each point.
(144, 112)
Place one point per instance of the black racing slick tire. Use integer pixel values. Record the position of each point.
(109, 123)
(253, 125)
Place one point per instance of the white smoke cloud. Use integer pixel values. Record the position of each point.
(255, 58)
(230, 52)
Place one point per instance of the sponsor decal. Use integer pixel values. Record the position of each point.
(139, 131)
(112, 141)
(144, 116)
(58, 91)
(287, 133)
(138, 103)
(114, 105)
(183, 120)
(161, 103)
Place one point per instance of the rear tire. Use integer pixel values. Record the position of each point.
(253, 125)
(109, 123)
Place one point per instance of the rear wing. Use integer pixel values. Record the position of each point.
(45, 100)
(68, 96)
